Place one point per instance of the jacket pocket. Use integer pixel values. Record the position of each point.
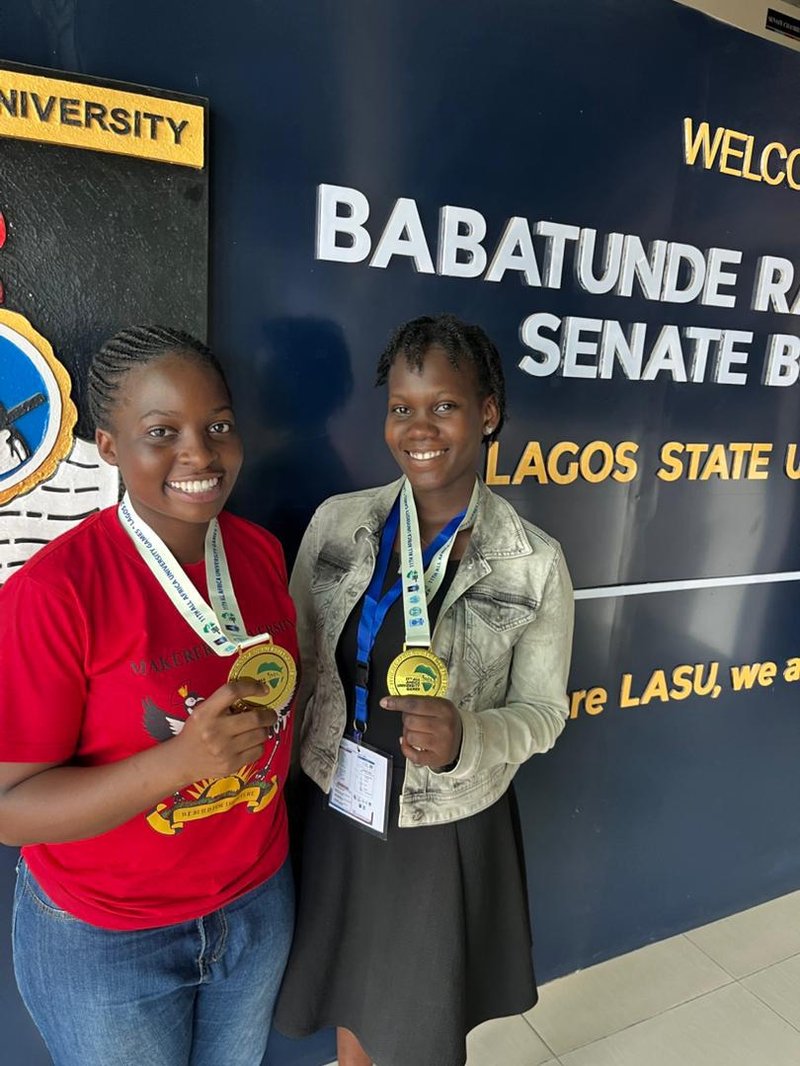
(494, 621)
(328, 571)
(326, 578)
(500, 610)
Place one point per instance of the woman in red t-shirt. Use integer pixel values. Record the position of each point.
(147, 673)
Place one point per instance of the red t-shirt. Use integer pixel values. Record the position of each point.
(97, 664)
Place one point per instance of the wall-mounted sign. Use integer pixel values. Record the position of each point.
(96, 233)
(50, 110)
(779, 22)
(37, 415)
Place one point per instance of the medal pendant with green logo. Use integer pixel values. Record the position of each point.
(273, 666)
(417, 672)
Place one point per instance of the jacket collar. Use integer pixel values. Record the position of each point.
(376, 510)
(498, 532)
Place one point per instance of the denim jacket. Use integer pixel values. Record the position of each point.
(504, 630)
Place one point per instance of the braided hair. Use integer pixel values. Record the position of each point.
(461, 342)
(134, 347)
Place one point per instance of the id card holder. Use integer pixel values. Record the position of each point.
(361, 786)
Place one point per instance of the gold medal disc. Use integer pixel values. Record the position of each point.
(269, 663)
(417, 672)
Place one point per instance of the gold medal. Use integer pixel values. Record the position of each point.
(417, 672)
(269, 663)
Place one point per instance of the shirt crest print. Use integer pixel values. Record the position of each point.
(214, 795)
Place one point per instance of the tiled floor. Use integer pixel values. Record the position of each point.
(727, 994)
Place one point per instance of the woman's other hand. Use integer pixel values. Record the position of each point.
(431, 729)
(216, 741)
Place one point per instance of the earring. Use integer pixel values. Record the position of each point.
(487, 430)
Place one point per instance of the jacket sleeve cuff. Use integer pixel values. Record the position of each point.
(471, 747)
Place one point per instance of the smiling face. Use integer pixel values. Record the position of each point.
(435, 423)
(174, 439)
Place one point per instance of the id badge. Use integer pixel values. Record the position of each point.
(361, 786)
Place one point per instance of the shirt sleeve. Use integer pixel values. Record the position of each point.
(42, 672)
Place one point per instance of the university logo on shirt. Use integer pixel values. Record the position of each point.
(251, 786)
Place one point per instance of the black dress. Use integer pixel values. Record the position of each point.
(412, 941)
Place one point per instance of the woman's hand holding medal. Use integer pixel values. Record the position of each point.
(225, 731)
(431, 729)
(216, 742)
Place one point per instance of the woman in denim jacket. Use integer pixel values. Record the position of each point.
(408, 939)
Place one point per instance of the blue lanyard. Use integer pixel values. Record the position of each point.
(376, 606)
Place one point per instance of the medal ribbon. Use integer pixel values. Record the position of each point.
(413, 562)
(220, 626)
(422, 573)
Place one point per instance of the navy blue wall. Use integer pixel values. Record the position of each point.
(644, 820)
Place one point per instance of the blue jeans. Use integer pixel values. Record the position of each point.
(199, 993)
